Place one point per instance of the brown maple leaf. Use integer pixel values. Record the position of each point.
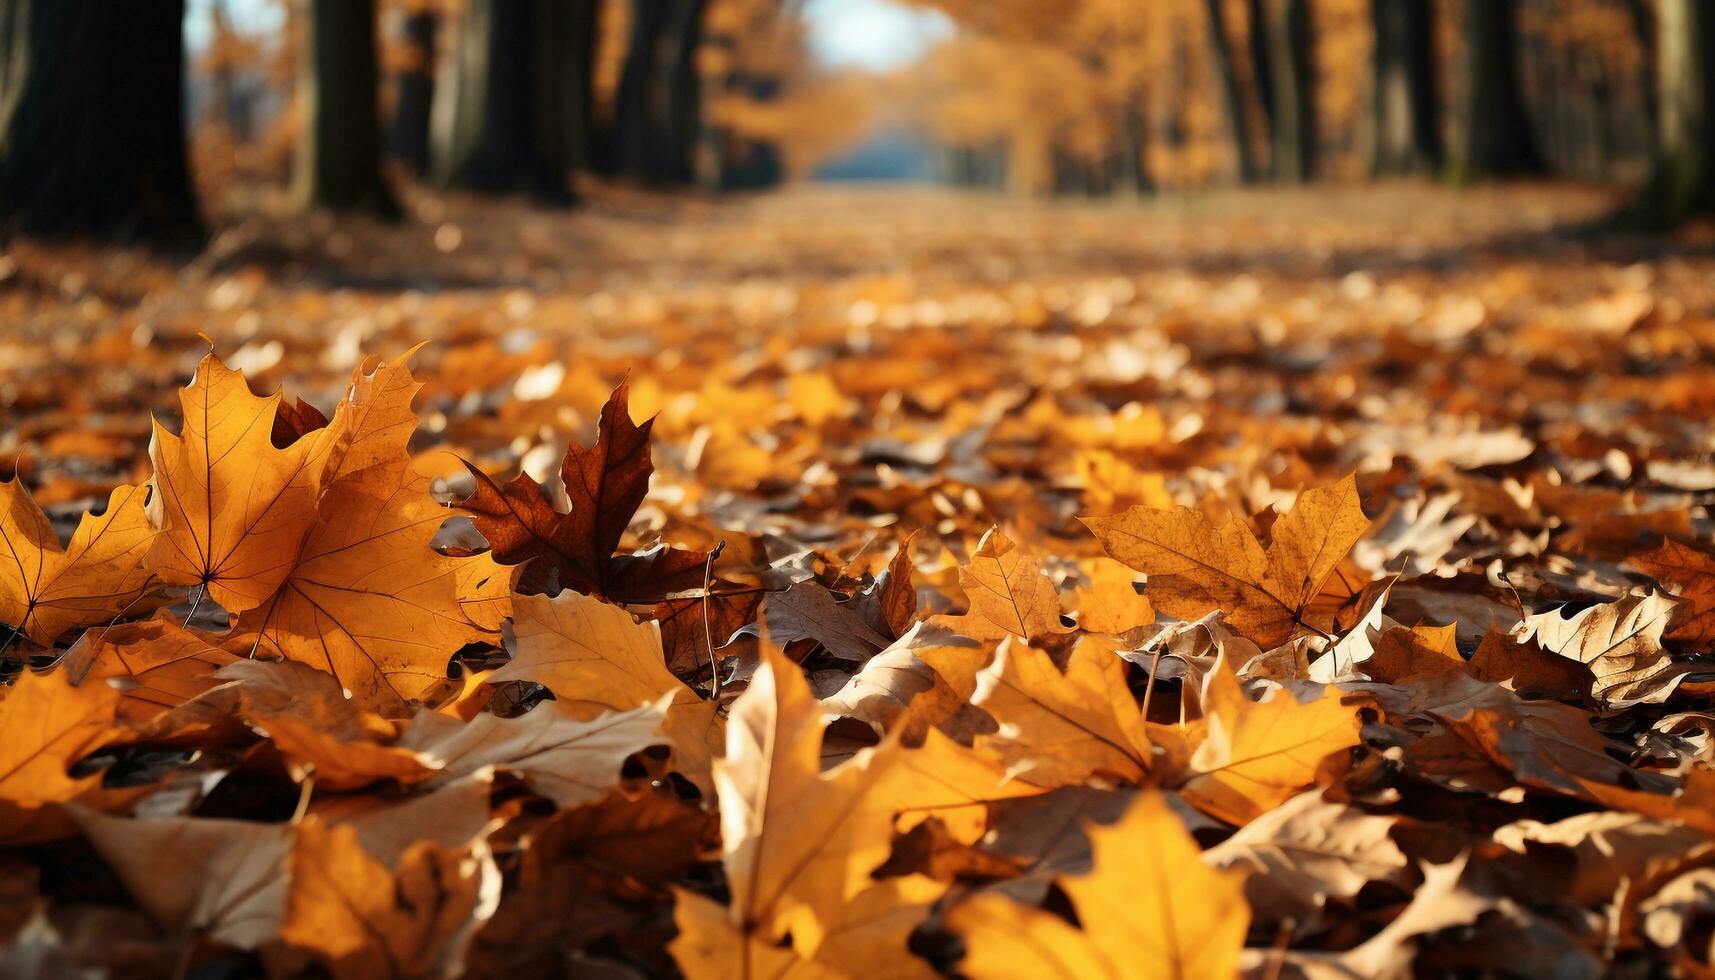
(606, 483)
(1195, 566)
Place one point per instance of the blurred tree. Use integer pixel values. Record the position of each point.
(503, 106)
(1494, 134)
(1405, 133)
(92, 130)
(338, 160)
(1289, 50)
(1232, 95)
(1683, 181)
(415, 73)
(658, 108)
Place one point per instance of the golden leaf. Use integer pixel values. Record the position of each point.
(1195, 566)
(46, 590)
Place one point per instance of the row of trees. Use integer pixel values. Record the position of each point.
(1118, 95)
(494, 96)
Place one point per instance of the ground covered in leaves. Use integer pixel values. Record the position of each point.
(864, 583)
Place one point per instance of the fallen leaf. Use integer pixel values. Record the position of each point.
(47, 590)
(1195, 566)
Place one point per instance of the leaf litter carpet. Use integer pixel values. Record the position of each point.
(864, 583)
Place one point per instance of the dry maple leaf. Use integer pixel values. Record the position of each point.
(163, 663)
(798, 843)
(231, 508)
(49, 725)
(605, 483)
(365, 597)
(596, 657)
(1060, 729)
(1007, 592)
(571, 762)
(1110, 604)
(364, 921)
(1620, 642)
(47, 590)
(1195, 566)
(1255, 755)
(869, 940)
(1691, 572)
(223, 879)
(1308, 850)
(1149, 908)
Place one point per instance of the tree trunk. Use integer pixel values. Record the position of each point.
(1221, 50)
(1683, 183)
(580, 125)
(92, 130)
(1495, 138)
(338, 160)
(416, 97)
(1291, 53)
(1263, 74)
(636, 136)
(683, 123)
(502, 105)
(1133, 162)
(1405, 129)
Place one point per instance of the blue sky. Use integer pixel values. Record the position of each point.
(874, 34)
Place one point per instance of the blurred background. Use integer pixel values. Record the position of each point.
(339, 104)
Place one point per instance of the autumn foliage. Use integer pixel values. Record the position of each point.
(832, 693)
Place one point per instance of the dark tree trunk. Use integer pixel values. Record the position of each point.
(1405, 128)
(580, 107)
(338, 161)
(92, 130)
(744, 163)
(1683, 183)
(636, 137)
(1263, 72)
(1232, 97)
(502, 111)
(683, 122)
(1495, 135)
(1291, 53)
(416, 97)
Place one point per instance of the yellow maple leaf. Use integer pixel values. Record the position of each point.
(1195, 566)
(1254, 755)
(596, 657)
(1060, 729)
(1149, 908)
(46, 590)
(232, 509)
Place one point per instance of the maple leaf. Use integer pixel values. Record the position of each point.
(49, 726)
(1254, 755)
(569, 761)
(1195, 566)
(605, 483)
(596, 657)
(363, 920)
(365, 598)
(1059, 729)
(47, 590)
(1007, 592)
(225, 879)
(1308, 850)
(1110, 604)
(798, 843)
(231, 508)
(1691, 571)
(1132, 906)
(164, 664)
(1620, 642)
(869, 940)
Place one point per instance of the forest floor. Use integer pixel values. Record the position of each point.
(1524, 402)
